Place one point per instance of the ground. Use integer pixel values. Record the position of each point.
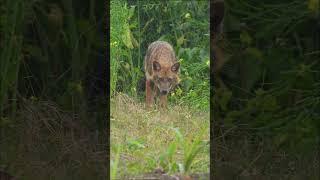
(175, 140)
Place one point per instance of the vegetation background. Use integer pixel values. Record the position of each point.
(176, 141)
(267, 118)
(53, 103)
(52, 89)
(184, 24)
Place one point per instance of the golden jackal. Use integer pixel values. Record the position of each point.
(161, 68)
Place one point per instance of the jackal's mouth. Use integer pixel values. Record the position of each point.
(164, 92)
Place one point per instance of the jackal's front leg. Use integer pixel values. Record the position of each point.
(163, 101)
(149, 94)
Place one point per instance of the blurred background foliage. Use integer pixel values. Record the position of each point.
(53, 78)
(184, 24)
(52, 50)
(272, 51)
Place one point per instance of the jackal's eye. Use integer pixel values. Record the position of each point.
(169, 79)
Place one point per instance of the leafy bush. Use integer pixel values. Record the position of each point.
(271, 71)
(184, 24)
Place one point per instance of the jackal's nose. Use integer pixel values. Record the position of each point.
(164, 92)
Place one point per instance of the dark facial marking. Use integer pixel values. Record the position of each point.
(163, 79)
(156, 66)
(175, 67)
(164, 92)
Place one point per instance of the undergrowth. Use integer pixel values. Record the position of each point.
(176, 141)
(45, 142)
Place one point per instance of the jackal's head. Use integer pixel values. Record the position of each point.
(165, 77)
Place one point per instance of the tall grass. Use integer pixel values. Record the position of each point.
(49, 53)
(271, 74)
(181, 23)
(79, 59)
(270, 84)
(12, 22)
(48, 141)
(114, 163)
(118, 25)
(190, 151)
(123, 45)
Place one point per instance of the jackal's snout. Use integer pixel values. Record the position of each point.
(164, 92)
(164, 85)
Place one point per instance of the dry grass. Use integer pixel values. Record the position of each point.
(145, 135)
(50, 144)
(239, 155)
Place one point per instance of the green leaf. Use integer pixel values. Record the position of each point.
(313, 6)
(135, 144)
(245, 38)
(126, 38)
(171, 150)
(223, 98)
(181, 40)
(131, 12)
(254, 52)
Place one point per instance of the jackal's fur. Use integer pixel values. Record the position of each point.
(161, 68)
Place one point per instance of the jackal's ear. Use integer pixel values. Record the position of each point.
(175, 67)
(156, 66)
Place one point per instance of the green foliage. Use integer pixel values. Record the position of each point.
(175, 141)
(60, 61)
(10, 54)
(120, 39)
(194, 90)
(272, 71)
(184, 24)
(114, 163)
(190, 149)
(48, 52)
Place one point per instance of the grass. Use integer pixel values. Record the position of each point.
(11, 46)
(238, 154)
(46, 140)
(176, 140)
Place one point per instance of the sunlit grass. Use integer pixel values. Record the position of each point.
(176, 140)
